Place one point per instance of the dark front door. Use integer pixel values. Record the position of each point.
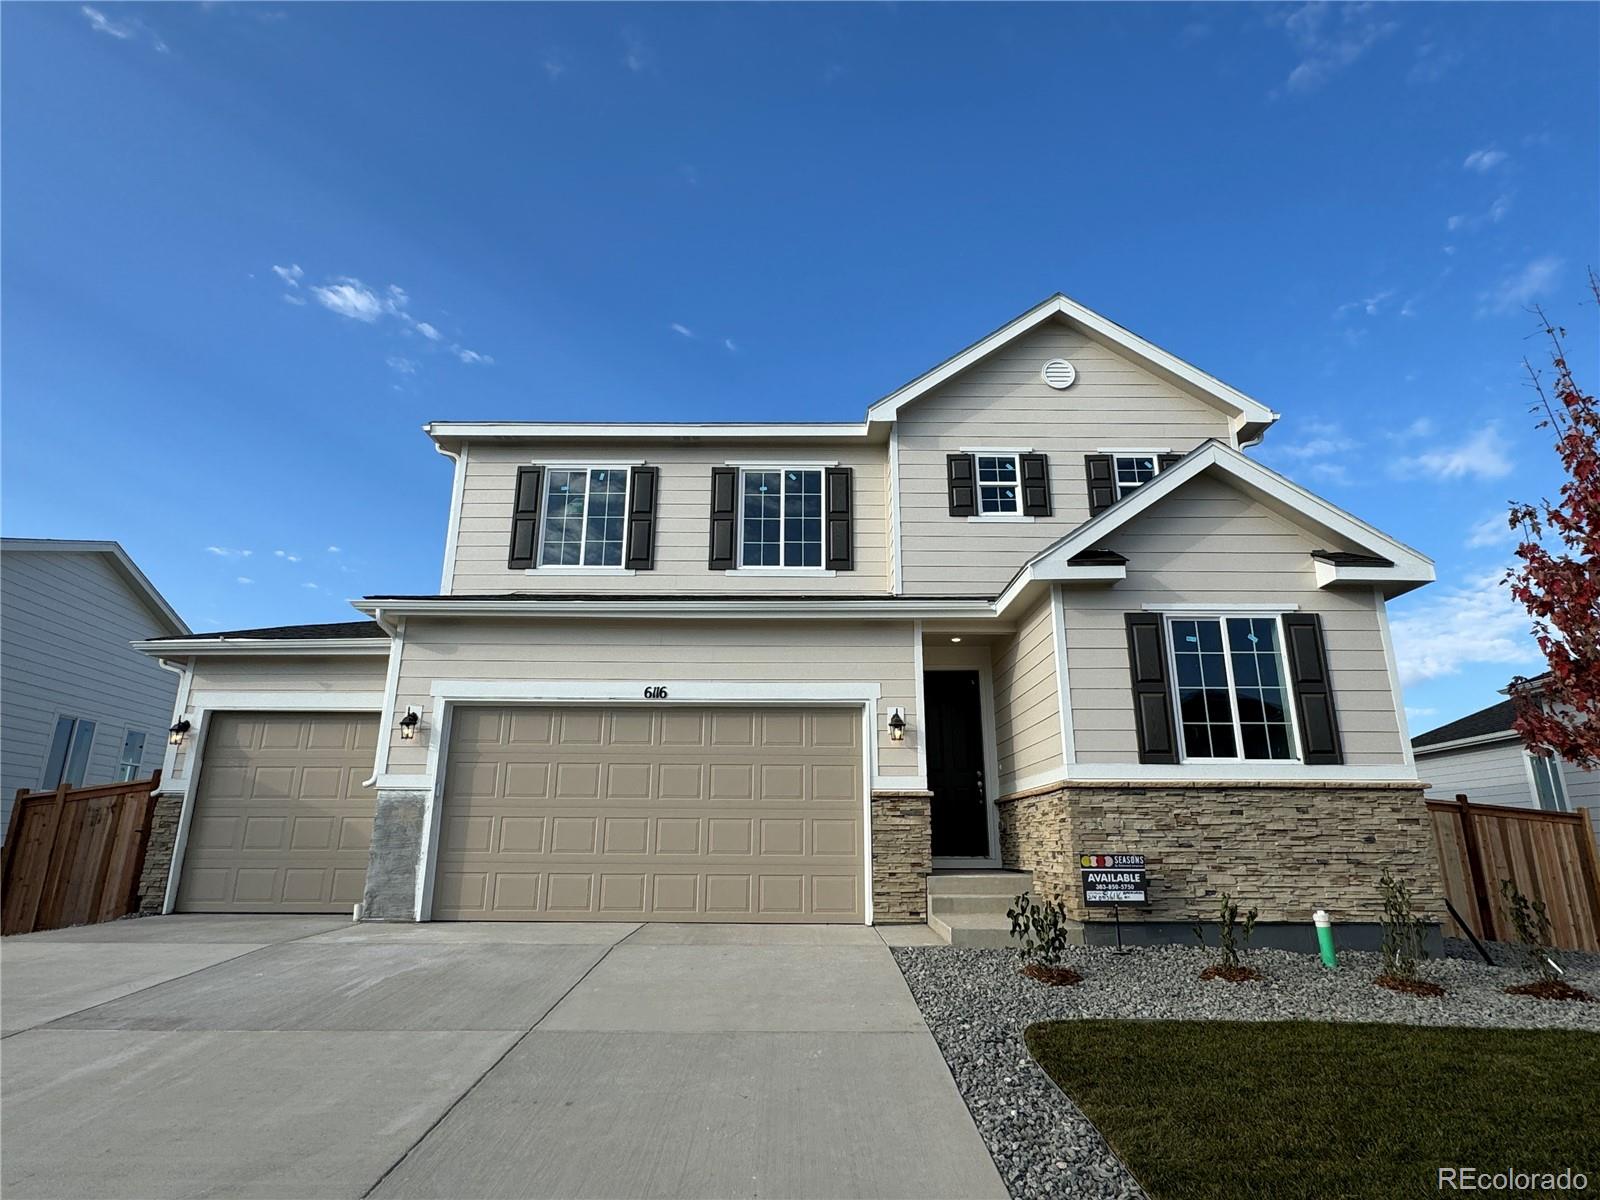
(955, 765)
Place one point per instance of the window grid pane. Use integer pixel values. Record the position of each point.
(781, 519)
(608, 496)
(1133, 471)
(763, 519)
(585, 511)
(1205, 710)
(132, 756)
(802, 518)
(1259, 688)
(997, 484)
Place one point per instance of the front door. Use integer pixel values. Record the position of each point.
(955, 765)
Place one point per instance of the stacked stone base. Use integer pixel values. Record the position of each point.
(902, 856)
(1283, 849)
(158, 854)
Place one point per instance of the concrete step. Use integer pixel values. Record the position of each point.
(972, 931)
(979, 883)
(988, 904)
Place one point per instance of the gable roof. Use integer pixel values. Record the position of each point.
(1250, 417)
(119, 561)
(1083, 554)
(1478, 726)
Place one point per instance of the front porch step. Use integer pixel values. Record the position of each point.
(972, 931)
(988, 904)
(979, 883)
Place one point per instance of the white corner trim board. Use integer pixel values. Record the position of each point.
(458, 488)
(1402, 724)
(1058, 619)
(447, 694)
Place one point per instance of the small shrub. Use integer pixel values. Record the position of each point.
(1404, 934)
(1233, 940)
(1040, 928)
(1531, 922)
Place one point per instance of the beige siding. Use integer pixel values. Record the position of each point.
(1209, 543)
(780, 653)
(1003, 404)
(1027, 702)
(683, 518)
(362, 674)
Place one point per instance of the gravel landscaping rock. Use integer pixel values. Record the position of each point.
(977, 1003)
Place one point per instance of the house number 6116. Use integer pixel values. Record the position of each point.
(655, 693)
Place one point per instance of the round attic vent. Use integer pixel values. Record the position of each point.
(1059, 373)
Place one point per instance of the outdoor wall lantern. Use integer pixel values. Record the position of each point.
(897, 724)
(409, 723)
(175, 734)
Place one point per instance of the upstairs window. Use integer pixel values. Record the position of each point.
(1232, 690)
(999, 485)
(132, 756)
(1134, 471)
(585, 511)
(781, 518)
(1547, 782)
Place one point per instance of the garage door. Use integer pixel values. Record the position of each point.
(676, 814)
(281, 822)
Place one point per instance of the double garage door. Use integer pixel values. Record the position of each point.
(549, 813)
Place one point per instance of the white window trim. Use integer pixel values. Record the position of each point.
(762, 464)
(1125, 451)
(1221, 610)
(766, 569)
(1557, 783)
(1298, 757)
(998, 518)
(1153, 455)
(996, 450)
(544, 519)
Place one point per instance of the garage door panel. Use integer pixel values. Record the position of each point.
(281, 822)
(682, 814)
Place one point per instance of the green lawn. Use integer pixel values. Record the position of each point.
(1304, 1109)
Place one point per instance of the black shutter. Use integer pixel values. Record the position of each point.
(1313, 690)
(839, 546)
(961, 470)
(1168, 460)
(1102, 478)
(525, 518)
(1035, 485)
(1152, 701)
(640, 540)
(724, 517)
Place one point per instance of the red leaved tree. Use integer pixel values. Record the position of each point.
(1558, 577)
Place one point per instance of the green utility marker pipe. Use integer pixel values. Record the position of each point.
(1330, 956)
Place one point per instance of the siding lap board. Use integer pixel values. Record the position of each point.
(1027, 703)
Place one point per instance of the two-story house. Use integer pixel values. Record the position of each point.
(1038, 603)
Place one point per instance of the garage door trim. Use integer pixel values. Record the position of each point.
(448, 694)
(198, 707)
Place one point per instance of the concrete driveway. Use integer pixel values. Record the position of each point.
(308, 1057)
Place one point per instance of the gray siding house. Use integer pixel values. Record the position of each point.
(77, 701)
(1038, 603)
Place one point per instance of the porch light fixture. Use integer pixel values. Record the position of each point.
(409, 723)
(175, 734)
(955, 639)
(897, 725)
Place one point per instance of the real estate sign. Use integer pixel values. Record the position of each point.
(1113, 879)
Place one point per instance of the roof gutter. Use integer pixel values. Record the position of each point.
(687, 609)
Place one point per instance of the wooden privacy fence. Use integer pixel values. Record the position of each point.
(1550, 856)
(73, 856)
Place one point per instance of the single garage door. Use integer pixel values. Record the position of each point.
(281, 822)
(671, 814)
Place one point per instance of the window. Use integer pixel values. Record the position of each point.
(585, 509)
(998, 490)
(132, 756)
(1233, 698)
(781, 518)
(1547, 781)
(1134, 470)
(69, 753)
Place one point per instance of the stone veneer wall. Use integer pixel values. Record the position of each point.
(902, 856)
(1282, 848)
(158, 853)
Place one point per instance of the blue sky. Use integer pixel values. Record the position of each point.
(249, 250)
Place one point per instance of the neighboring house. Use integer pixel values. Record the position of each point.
(77, 702)
(1481, 757)
(1037, 603)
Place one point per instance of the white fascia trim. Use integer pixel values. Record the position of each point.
(1242, 407)
(1083, 573)
(897, 549)
(1468, 743)
(1219, 609)
(1329, 574)
(458, 488)
(533, 430)
(1401, 724)
(288, 647)
(690, 609)
(1058, 619)
(1410, 566)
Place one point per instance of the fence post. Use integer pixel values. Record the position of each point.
(1590, 858)
(1480, 886)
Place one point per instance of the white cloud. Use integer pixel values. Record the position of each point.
(1420, 427)
(728, 343)
(427, 331)
(292, 274)
(245, 579)
(401, 365)
(472, 357)
(1493, 215)
(350, 298)
(636, 56)
(1325, 438)
(1492, 531)
(681, 329)
(1522, 288)
(333, 549)
(1371, 306)
(1476, 622)
(312, 586)
(1432, 63)
(286, 556)
(1479, 456)
(228, 552)
(121, 30)
(555, 65)
(291, 298)
(1331, 37)
(1414, 711)
(1484, 160)
(1329, 472)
